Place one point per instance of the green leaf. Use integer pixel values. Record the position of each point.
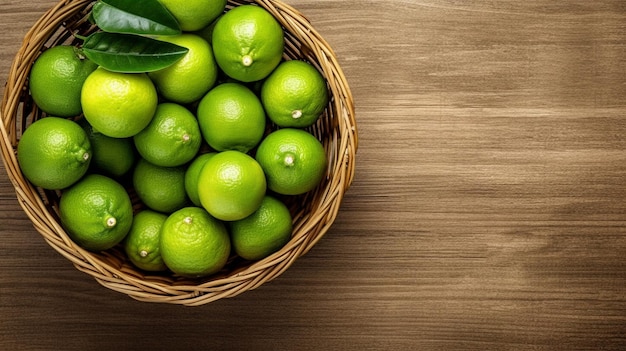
(135, 17)
(130, 53)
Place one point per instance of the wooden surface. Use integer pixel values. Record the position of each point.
(488, 211)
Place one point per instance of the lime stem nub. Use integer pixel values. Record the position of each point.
(188, 220)
(111, 222)
(86, 156)
(78, 51)
(186, 137)
(143, 253)
(289, 160)
(296, 114)
(247, 60)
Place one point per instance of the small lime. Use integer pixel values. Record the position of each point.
(193, 15)
(231, 117)
(264, 232)
(193, 243)
(293, 160)
(248, 43)
(96, 212)
(142, 244)
(111, 156)
(295, 94)
(172, 138)
(160, 188)
(231, 185)
(192, 76)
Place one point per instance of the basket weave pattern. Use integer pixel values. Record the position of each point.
(313, 213)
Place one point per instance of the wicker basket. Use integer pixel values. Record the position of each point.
(313, 213)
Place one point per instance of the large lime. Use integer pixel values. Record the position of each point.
(96, 212)
(54, 153)
(193, 243)
(118, 105)
(231, 185)
(56, 80)
(248, 43)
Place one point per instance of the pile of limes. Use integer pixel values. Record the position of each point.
(209, 144)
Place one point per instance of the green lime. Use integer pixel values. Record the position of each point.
(193, 15)
(231, 185)
(172, 138)
(264, 232)
(293, 160)
(160, 188)
(54, 153)
(56, 80)
(142, 244)
(231, 117)
(193, 243)
(96, 212)
(118, 105)
(192, 76)
(192, 176)
(294, 95)
(111, 156)
(248, 43)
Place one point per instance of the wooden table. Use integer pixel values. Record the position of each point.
(488, 211)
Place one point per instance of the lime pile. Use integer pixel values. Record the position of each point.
(209, 143)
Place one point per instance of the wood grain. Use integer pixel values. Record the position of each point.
(487, 211)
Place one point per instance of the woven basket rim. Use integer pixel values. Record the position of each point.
(105, 268)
